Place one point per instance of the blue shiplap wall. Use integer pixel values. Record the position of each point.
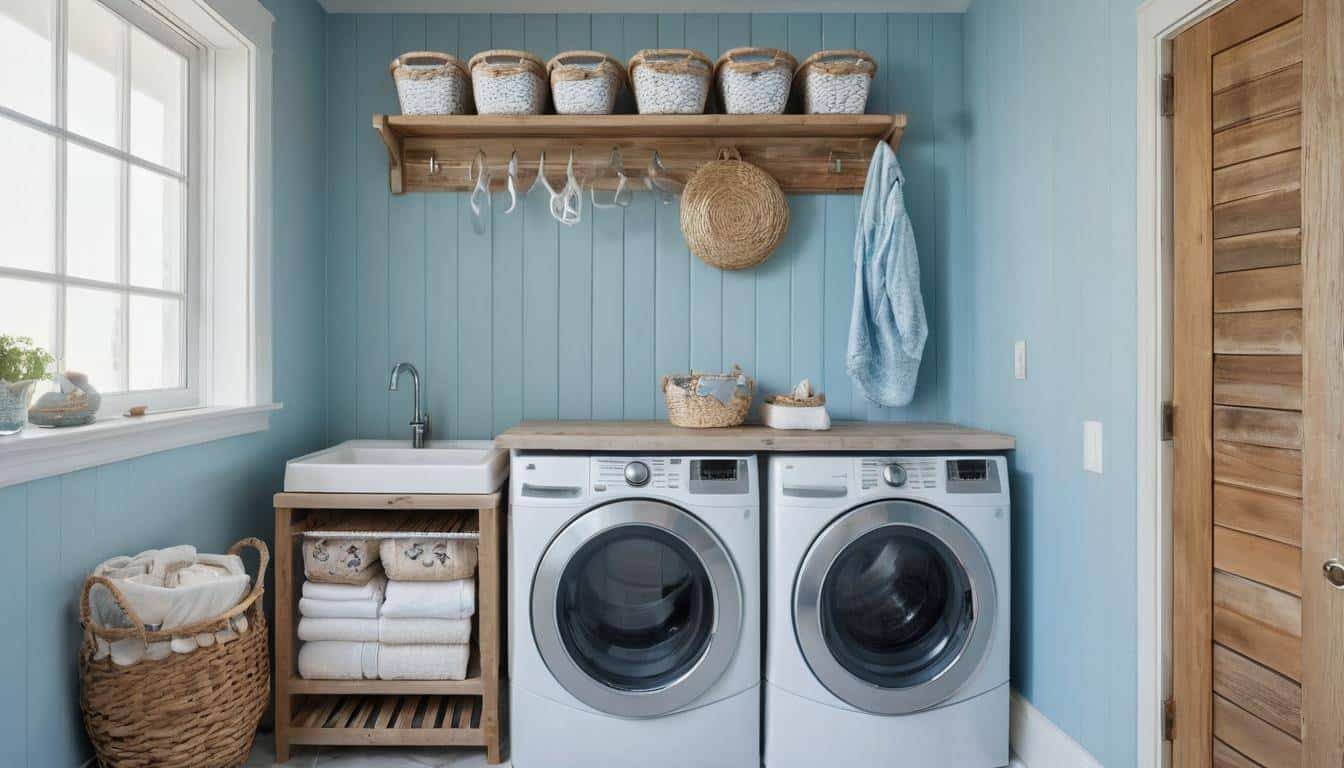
(209, 495)
(1051, 167)
(536, 320)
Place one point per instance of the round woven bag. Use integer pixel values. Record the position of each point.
(733, 214)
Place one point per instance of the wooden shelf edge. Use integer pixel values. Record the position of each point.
(867, 126)
(389, 737)
(426, 501)
(392, 140)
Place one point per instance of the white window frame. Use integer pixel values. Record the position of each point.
(232, 265)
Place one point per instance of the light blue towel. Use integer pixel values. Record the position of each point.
(887, 328)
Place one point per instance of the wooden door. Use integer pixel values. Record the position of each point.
(1258, 388)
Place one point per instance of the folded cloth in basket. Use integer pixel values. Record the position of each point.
(348, 630)
(430, 599)
(424, 631)
(338, 661)
(340, 609)
(369, 590)
(428, 559)
(423, 662)
(340, 560)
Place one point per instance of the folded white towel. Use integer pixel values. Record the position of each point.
(423, 662)
(430, 599)
(349, 630)
(424, 631)
(339, 609)
(338, 661)
(318, 590)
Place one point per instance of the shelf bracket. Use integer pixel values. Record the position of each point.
(393, 144)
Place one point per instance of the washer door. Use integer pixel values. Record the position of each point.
(894, 607)
(636, 608)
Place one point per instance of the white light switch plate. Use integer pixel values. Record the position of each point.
(1020, 360)
(1092, 446)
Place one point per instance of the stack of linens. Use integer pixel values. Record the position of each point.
(424, 630)
(338, 624)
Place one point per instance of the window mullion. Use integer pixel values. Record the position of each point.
(61, 9)
(124, 246)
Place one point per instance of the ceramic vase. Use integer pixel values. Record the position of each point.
(14, 399)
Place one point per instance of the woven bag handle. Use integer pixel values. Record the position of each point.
(729, 153)
(776, 58)
(443, 60)
(137, 627)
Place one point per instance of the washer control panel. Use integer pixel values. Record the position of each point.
(912, 473)
(691, 475)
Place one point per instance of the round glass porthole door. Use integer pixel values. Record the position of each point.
(894, 607)
(636, 608)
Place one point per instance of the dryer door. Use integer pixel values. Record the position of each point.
(636, 608)
(894, 607)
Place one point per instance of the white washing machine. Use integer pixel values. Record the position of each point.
(634, 615)
(888, 605)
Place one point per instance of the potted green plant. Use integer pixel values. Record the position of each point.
(22, 365)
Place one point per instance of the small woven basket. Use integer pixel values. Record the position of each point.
(755, 81)
(687, 409)
(836, 82)
(789, 401)
(585, 82)
(733, 214)
(508, 83)
(188, 710)
(670, 80)
(431, 83)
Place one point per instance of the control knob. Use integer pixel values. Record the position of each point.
(637, 473)
(894, 475)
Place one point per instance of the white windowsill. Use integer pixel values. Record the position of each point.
(35, 452)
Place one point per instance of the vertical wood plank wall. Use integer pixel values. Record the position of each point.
(540, 321)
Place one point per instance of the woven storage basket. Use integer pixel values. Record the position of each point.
(431, 83)
(189, 710)
(754, 81)
(687, 409)
(733, 214)
(508, 83)
(670, 80)
(836, 82)
(789, 401)
(585, 82)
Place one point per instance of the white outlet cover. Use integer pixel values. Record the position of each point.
(1020, 360)
(1092, 446)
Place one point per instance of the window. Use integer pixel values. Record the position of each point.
(99, 262)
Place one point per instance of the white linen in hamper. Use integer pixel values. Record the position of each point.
(339, 609)
(430, 599)
(373, 590)
(350, 630)
(423, 662)
(338, 661)
(424, 631)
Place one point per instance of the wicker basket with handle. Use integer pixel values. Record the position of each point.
(687, 409)
(197, 709)
(733, 214)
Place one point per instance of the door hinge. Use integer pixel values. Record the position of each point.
(1169, 720)
(1168, 96)
(1168, 420)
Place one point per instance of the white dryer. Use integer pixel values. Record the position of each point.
(634, 611)
(888, 604)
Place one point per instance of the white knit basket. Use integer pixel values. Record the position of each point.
(836, 82)
(755, 81)
(430, 83)
(508, 83)
(584, 82)
(670, 81)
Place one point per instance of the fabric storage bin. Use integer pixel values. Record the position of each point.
(424, 559)
(585, 82)
(508, 82)
(754, 81)
(431, 83)
(340, 560)
(670, 81)
(836, 82)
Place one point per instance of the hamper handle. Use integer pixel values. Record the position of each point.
(86, 614)
(443, 60)
(258, 586)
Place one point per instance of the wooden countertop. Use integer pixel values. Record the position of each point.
(662, 436)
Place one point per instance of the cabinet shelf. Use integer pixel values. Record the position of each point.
(804, 153)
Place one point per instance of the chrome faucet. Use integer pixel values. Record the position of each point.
(419, 422)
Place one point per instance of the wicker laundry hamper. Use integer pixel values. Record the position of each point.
(188, 710)
(685, 408)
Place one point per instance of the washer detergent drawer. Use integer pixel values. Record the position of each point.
(557, 480)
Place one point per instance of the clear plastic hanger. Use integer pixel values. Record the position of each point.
(512, 182)
(480, 192)
(659, 182)
(617, 165)
(567, 204)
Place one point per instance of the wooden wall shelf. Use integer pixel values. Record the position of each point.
(804, 153)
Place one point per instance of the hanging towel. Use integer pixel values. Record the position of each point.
(372, 590)
(349, 630)
(423, 662)
(338, 661)
(887, 328)
(340, 609)
(430, 599)
(424, 631)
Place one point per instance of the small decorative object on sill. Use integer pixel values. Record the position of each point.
(585, 82)
(670, 81)
(508, 82)
(733, 214)
(22, 365)
(800, 409)
(431, 83)
(75, 405)
(755, 81)
(703, 400)
(836, 82)
(136, 411)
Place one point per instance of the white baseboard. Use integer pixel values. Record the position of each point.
(1039, 743)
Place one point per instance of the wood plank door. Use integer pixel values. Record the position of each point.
(1258, 387)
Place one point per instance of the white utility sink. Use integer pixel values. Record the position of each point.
(393, 466)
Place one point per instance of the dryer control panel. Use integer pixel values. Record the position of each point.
(821, 479)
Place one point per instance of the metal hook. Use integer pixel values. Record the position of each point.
(433, 164)
(836, 160)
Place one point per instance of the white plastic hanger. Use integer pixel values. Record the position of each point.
(567, 204)
(512, 183)
(480, 191)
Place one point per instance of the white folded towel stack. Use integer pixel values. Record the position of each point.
(340, 609)
(430, 599)
(371, 590)
(348, 630)
(424, 631)
(423, 662)
(327, 660)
